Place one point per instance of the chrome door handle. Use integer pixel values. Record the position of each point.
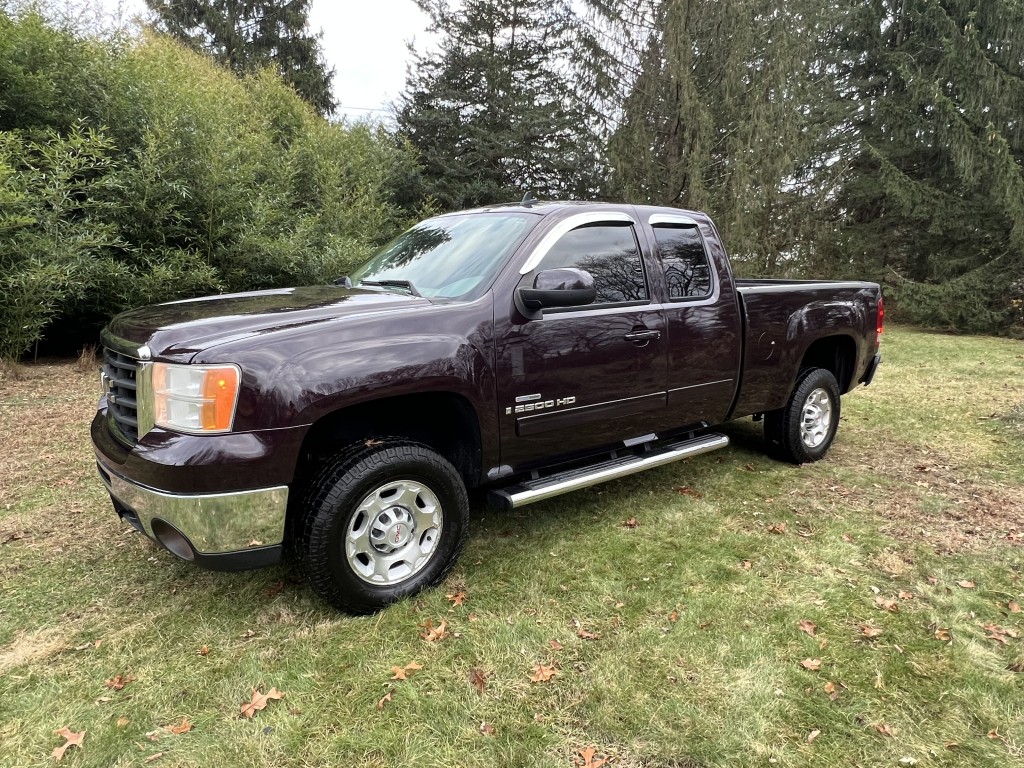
(642, 336)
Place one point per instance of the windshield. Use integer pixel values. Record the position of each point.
(449, 257)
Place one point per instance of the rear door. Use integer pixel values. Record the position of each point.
(583, 377)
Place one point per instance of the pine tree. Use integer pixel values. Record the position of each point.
(493, 111)
(934, 200)
(245, 35)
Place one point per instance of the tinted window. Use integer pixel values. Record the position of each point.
(687, 271)
(607, 252)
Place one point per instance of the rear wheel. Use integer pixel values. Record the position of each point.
(382, 522)
(803, 430)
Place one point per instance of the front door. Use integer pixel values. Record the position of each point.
(584, 377)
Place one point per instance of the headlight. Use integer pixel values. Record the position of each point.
(195, 398)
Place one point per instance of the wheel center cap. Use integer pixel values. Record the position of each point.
(398, 534)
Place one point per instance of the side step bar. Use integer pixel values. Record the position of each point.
(529, 491)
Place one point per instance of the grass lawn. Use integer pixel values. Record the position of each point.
(861, 611)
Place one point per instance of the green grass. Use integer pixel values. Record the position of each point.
(698, 659)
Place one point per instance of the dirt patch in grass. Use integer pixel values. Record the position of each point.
(930, 497)
(33, 646)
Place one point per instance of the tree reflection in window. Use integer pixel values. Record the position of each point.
(687, 271)
(609, 253)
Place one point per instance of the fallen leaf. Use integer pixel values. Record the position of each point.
(812, 664)
(72, 739)
(274, 589)
(585, 634)
(385, 699)
(154, 757)
(807, 626)
(371, 443)
(830, 689)
(813, 735)
(117, 682)
(883, 729)
(203, 651)
(431, 633)
(486, 729)
(631, 523)
(478, 679)
(259, 701)
(746, 565)
(413, 666)
(943, 634)
(847, 538)
(687, 491)
(869, 631)
(904, 595)
(674, 616)
(777, 528)
(887, 604)
(399, 673)
(994, 735)
(932, 580)
(543, 673)
(555, 645)
(457, 598)
(590, 759)
(183, 727)
(472, 616)
(1014, 606)
(965, 584)
(122, 721)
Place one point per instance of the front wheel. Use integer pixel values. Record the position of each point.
(803, 430)
(383, 521)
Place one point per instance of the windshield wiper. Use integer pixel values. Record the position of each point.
(394, 284)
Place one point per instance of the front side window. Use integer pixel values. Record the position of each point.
(682, 254)
(450, 257)
(609, 253)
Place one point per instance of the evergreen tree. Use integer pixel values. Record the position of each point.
(246, 35)
(493, 111)
(934, 199)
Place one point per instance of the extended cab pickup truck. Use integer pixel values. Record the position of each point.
(527, 350)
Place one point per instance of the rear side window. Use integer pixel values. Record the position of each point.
(609, 253)
(687, 271)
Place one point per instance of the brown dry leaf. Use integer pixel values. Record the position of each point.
(555, 645)
(274, 589)
(965, 584)
(203, 651)
(1014, 606)
(904, 595)
(830, 689)
(399, 673)
(943, 634)
(457, 598)
(259, 701)
(486, 729)
(631, 523)
(585, 634)
(590, 758)
(543, 673)
(154, 757)
(807, 626)
(995, 735)
(431, 633)
(183, 727)
(385, 699)
(746, 565)
(72, 739)
(122, 721)
(812, 664)
(883, 729)
(472, 616)
(117, 682)
(887, 604)
(933, 580)
(687, 491)
(869, 631)
(813, 735)
(674, 616)
(478, 679)
(777, 528)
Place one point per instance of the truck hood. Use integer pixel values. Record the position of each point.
(180, 329)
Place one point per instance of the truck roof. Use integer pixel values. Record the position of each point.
(550, 207)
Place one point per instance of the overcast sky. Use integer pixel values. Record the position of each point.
(365, 42)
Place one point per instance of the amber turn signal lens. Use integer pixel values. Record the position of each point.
(195, 398)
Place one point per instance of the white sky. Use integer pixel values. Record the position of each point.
(365, 42)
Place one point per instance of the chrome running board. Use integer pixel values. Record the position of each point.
(530, 491)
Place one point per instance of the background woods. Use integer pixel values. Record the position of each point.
(879, 139)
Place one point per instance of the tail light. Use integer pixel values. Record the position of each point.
(881, 315)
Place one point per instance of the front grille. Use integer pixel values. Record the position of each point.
(122, 404)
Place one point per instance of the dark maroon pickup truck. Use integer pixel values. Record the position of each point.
(529, 350)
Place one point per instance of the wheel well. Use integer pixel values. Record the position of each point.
(837, 354)
(442, 420)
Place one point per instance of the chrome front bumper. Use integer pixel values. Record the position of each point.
(221, 531)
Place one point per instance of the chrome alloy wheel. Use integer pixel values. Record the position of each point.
(816, 419)
(394, 532)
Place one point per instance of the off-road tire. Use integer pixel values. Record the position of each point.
(785, 433)
(333, 499)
